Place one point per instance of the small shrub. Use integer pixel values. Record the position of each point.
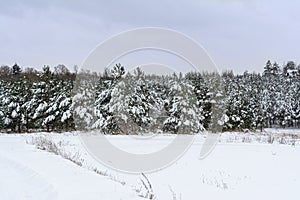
(271, 139)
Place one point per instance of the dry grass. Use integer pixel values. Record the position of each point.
(174, 195)
(48, 144)
(146, 190)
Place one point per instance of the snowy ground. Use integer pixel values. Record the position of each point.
(242, 166)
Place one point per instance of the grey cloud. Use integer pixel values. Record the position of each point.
(238, 34)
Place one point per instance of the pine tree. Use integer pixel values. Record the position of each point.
(105, 119)
(13, 102)
(27, 105)
(16, 69)
(142, 102)
(83, 101)
(182, 107)
(64, 105)
(268, 69)
(201, 91)
(109, 103)
(43, 100)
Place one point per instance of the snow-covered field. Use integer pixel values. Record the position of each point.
(242, 166)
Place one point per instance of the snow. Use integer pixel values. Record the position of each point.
(14, 114)
(28, 173)
(7, 121)
(242, 166)
(66, 115)
(282, 131)
(49, 119)
(18, 176)
(41, 107)
(64, 102)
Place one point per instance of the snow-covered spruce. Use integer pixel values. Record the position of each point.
(117, 102)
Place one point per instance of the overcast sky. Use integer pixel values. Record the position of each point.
(239, 35)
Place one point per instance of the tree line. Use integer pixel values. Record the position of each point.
(119, 102)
